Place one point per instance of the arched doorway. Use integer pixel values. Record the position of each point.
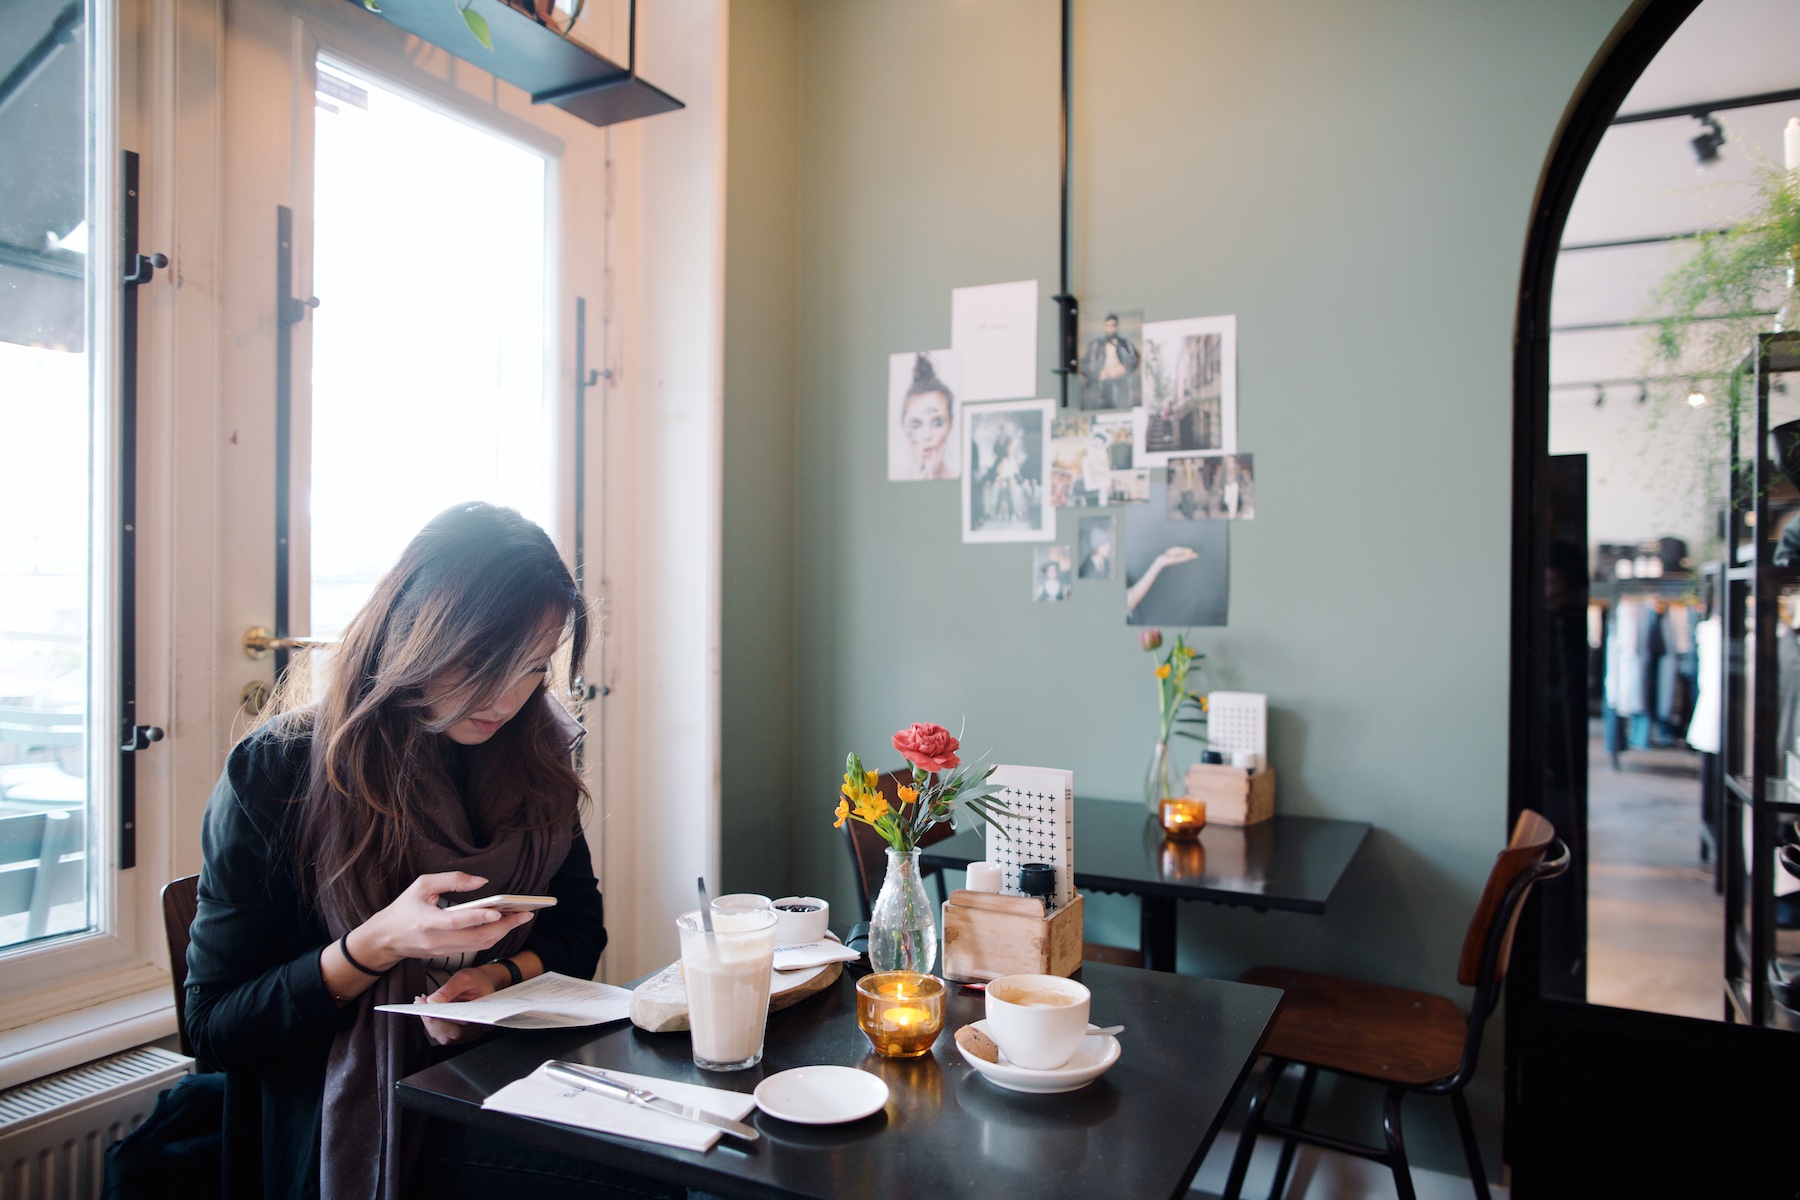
(1602, 1098)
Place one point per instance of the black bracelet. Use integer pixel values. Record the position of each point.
(344, 949)
(512, 969)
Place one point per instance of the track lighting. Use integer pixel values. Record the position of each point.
(1696, 398)
(1599, 395)
(1643, 393)
(1706, 144)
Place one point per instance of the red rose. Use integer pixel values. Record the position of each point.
(929, 747)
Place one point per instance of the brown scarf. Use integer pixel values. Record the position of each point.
(363, 1159)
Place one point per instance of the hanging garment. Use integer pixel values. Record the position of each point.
(1624, 662)
(1703, 730)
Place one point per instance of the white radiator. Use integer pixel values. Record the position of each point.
(54, 1131)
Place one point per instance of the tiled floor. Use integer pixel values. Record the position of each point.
(1655, 927)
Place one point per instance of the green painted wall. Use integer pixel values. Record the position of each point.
(762, 265)
(1354, 182)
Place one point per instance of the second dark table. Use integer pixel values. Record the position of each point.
(1290, 863)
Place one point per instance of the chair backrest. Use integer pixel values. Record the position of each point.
(867, 847)
(1531, 839)
(180, 901)
(43, 862)
(42, 728)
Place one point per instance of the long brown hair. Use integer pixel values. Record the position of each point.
(463, 608)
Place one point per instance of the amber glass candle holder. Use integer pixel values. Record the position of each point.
(900, 1012)
(1182, 819)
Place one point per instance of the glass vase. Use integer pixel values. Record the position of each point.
(1160, 781)
(902, 934)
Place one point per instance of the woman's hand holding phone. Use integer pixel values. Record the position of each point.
(413, 926)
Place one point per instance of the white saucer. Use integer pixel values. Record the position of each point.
(1098, 1051)
(821, 1095)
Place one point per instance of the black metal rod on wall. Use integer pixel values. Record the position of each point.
(1068, 310)
(289, 312)
(132, 737)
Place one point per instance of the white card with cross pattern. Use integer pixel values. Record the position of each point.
(1041, 827)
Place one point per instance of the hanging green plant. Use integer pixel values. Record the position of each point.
(1711, 307)
(544, 14)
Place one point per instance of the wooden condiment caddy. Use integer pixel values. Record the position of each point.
(1233, 795)
(987, 935)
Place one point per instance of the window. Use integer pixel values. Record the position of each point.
(49, 294)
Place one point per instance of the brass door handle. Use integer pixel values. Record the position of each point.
(260, 643)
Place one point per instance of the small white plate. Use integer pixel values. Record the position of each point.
(821, 1095)
(1098, 1052)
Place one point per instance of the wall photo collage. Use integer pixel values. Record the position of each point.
(1151, 428)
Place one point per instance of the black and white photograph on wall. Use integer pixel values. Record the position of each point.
(1111, 353)
(1006, 486)
(1176, 572)
(1213, 488)
(1052, 574)
(1080, 470)
(1190, 390)
(1095, 542)
(923, 440)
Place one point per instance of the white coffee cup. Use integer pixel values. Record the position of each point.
(801, 919)
(1038, 1021)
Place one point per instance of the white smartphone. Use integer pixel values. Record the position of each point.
(507, 904)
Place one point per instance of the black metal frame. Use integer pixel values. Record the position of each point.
(289, 312)
(1750, 711)
(1393, 1153)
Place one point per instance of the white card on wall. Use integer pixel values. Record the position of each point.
(1039, 829)
(993, 330)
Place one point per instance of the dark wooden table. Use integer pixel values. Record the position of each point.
(1140, 1130)
(1290, 863)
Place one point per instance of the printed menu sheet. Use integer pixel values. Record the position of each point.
(550, 1001)
(1042, 827)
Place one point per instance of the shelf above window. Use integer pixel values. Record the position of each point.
(552, 68)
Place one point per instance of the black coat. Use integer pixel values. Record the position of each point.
(257, 1006)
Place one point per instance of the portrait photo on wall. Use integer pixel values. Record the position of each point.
(1096, 541)
(1111, 352)
(1087, 452)
(1176, 572)
(1006, 486)
(923, 440)
(1220, 487)
(1190, 390)
(1051, 574)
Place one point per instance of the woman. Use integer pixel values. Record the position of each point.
(435, 767)
(927, 416)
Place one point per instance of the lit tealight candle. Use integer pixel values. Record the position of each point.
(1182, 818)
(900, 1012)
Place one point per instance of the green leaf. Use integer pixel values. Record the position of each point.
(478, 26)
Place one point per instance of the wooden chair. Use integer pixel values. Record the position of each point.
(1404, 1040)
(866, 853)
(180, 901)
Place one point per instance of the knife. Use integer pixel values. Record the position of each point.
(592, 1079)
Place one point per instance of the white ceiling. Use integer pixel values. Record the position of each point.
(1644, 182)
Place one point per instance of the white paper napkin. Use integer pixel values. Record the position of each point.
(537, 1095)
(812, 954)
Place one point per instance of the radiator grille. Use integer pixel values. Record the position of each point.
(54, 1131)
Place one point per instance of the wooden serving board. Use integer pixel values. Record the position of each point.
(659, 1004)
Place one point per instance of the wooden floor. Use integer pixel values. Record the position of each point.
(1655, 927)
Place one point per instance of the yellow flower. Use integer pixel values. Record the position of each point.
(1203, 704)
(872, 779)
(871, 807)
(907, 794)
(843, 810)
(1162, 672)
